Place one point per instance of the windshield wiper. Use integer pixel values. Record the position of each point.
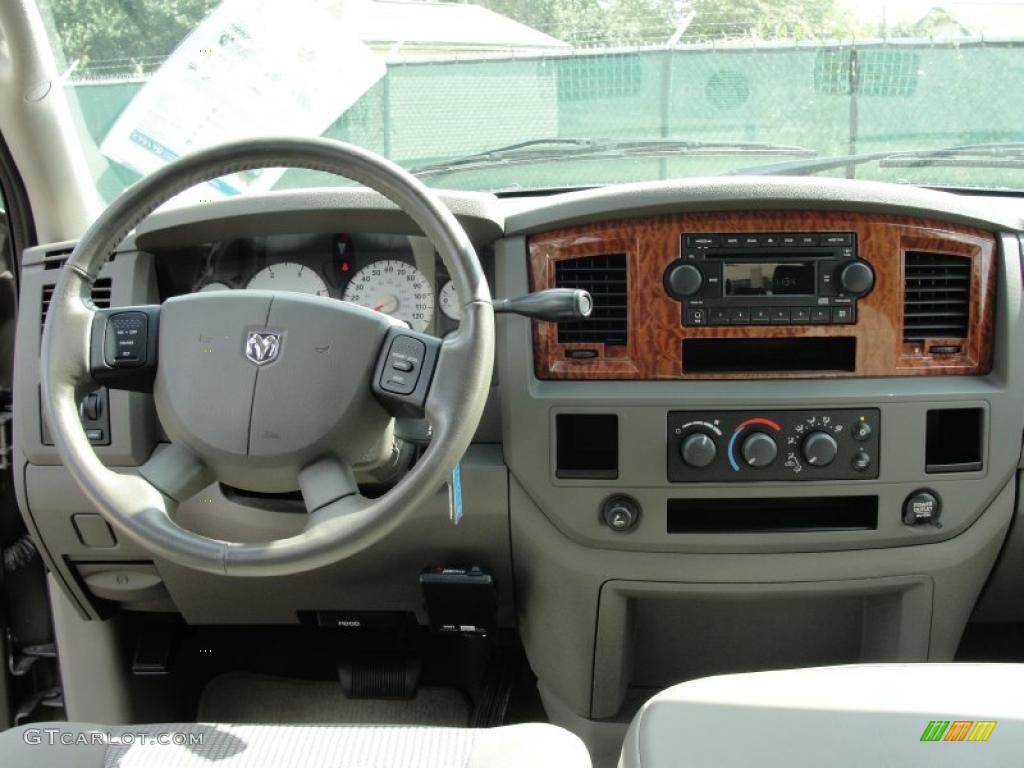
(542, 150)
(995, 155)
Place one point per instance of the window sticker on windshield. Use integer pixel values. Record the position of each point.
(251, 68)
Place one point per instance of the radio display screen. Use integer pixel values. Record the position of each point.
(769, 278)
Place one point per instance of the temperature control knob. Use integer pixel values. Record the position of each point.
(698, 450)
(759, 449)
(819, 449)
(683, 280)
(857, 278)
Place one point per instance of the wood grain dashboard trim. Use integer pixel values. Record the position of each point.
(653, 350)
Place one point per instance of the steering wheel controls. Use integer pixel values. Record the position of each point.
(403, 365)
(405, 370)
(124, 347)
(125, 342)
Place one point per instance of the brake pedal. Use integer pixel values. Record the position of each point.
(380, 677)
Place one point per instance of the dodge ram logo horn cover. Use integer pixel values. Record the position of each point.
(262, 347)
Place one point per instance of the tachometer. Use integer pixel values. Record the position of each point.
(448, 299)
(394, 288)
(289, 276)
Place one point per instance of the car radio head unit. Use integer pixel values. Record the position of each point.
(777, 279)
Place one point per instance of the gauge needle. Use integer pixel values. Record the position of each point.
(387, 305)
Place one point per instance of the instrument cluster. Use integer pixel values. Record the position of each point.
(381, 272)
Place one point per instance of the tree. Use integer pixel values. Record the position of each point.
(124, 34)
(769, 20)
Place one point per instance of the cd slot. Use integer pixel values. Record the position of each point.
(835, 353)
(773, 515)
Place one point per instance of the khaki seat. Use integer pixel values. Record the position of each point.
(906, 715)
(207, 745)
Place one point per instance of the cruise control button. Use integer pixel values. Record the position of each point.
(126, 339)
(402, 369)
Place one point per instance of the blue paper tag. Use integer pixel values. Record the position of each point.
(455, 495)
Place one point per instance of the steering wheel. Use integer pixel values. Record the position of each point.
(265, 390)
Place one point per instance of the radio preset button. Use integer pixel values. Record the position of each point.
(759, 316)
(740, 316)
(821, 315)
(780, 316)
(721, 316)
(800, 315)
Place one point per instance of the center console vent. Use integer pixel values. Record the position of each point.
(936, 297)
(100, 297)
(604, 276)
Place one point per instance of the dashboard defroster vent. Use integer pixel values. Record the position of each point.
(936, 297)
(100, 297)
(604, 276)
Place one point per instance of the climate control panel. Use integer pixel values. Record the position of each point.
(753, 446)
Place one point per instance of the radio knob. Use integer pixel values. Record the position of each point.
(759, 450)
(683, 280)
(698, 450)
(819, 449)
(857, 278)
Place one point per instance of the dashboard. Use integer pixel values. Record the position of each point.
(790, 434)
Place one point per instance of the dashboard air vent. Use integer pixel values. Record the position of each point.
(604, 277)
(937, 295)
(55, 259)
(100, 297)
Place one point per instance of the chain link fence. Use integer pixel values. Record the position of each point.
(833, 99)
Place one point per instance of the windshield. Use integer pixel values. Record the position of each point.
(507, 95)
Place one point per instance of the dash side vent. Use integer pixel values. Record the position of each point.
(604, 276)
(101, 291)
(936, 296)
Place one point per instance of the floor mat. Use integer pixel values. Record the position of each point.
(242, 697)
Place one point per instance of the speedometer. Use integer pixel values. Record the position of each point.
(289, 276)
(394, 288)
